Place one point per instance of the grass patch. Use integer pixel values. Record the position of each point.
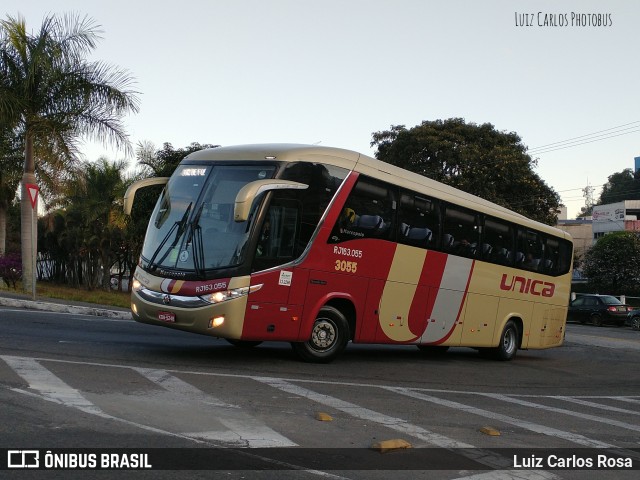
(46, 290)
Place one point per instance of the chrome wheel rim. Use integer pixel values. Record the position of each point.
(324, 335)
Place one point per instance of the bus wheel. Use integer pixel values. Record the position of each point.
(508, 345)
(243, 343)
(329, 336)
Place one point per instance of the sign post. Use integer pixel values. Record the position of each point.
(32, 191)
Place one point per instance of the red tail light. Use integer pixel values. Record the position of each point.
(612, 309)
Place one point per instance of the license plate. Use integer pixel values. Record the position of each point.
(168, 317)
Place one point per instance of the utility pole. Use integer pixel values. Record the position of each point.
(587, 193)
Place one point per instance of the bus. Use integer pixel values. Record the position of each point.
(320, 246)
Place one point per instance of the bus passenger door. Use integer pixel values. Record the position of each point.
(270, 314)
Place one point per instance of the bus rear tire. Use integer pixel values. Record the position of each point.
(329, 337)
(509, 340)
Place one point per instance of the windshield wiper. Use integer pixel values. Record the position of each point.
(180, 226)
(195, 235)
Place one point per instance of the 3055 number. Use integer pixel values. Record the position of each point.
(345, 266)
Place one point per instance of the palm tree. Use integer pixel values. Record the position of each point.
(55, 95)
(10, 171)
(93, 203)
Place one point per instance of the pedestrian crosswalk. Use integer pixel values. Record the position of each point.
(245, 410)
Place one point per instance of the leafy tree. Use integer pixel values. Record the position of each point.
(613, 263)
(475, 158)
(619, 187)
(51, 93)
(162, 163)
(10, 170)
(92, 232)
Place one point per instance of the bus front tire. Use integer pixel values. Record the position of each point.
(329, 337)
(508, 346)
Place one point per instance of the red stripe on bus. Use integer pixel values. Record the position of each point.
(425, 297)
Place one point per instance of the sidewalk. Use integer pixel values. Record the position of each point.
(18, 300)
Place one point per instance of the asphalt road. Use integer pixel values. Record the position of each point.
(85, 382)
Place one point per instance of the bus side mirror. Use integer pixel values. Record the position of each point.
(135, 186)
(250, 191)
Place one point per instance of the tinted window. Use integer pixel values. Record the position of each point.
(323, 181)
(418, 220)
(460, 232)
(529, 250)
(367, 213)
(610, 300)
(497, 241)
(558, 253)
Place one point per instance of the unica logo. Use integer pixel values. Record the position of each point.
(526, 285)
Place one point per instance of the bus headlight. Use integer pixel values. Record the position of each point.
(224, 295)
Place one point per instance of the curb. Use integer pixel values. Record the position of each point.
(63, 308)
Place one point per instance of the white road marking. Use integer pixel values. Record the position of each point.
(625, 399)
(244, 430)
(50, 386)
(596, 405)
(347, 407)
(563, 411)
(46, 386)
(485, 457)
(363, 413)
(173, 384)
(524, 424)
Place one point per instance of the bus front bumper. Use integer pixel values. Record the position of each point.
(191, 314)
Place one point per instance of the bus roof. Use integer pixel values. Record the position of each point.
(372, 167)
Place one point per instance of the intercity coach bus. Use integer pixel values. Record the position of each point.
(320, 246)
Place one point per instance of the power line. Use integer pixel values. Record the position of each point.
(598, 136)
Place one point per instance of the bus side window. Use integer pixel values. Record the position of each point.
(418, 222)
(497, 238)
(277, 239)
(367, 213)
(461, 232)
(530, 251)
(557, 258)
(324, 181)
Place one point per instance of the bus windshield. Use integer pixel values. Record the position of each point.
(192, 227)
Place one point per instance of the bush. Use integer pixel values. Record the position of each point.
(11, 268)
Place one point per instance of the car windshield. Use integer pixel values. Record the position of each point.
(610, 300)
(192, 227)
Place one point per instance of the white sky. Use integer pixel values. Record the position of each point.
(334, 71)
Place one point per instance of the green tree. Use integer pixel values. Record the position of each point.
(619, 187)
(162, 163)
(95, 220)
(477, 159)
(613, 263)
(54, 95)
(10, 171)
